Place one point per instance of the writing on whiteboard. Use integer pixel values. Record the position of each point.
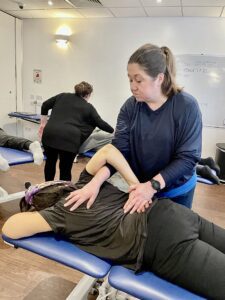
(203, 77)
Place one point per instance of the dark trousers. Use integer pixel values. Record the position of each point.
(13, 142)
(186, 249)
(65, 163)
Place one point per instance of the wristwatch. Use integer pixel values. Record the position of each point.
(155, 184)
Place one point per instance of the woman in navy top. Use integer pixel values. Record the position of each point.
(159, 131)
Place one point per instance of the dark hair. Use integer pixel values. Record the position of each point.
(46, 197)
(155, 60)
(83, 89)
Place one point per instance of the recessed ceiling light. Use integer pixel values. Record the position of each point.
(50, 3)
(158, 1)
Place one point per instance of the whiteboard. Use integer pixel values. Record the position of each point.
(203, 77)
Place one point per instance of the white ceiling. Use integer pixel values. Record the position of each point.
(24, 9)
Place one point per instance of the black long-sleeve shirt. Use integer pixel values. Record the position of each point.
(71, 122)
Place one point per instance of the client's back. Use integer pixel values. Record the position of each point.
(104, 229)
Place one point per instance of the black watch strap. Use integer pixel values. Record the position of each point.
(155, 184)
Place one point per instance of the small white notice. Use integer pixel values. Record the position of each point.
(37, 76)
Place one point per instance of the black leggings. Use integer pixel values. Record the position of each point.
(186, 249)
(66, 160)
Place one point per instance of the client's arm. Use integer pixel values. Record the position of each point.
(25, 224)
(111, 155)
(107, 154)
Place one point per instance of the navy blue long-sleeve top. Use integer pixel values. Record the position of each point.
(166, 141)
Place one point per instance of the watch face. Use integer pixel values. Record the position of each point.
(155, 185)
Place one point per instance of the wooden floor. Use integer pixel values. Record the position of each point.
(25, 275)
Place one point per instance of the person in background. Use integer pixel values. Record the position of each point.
(19, 143)
(96, 141)
(168, 239)
(159, 132)
(71, 122)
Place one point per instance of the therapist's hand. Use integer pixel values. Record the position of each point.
(140, 197)
(88, 193)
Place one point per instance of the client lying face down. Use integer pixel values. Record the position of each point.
(19, 143)
(168, 239)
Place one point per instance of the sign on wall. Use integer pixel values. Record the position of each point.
(37, 76)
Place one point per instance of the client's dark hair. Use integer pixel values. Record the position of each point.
(46, 197)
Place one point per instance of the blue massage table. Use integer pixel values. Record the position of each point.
(145, 286)
(16, 157)
(30, 117)
(62, 251)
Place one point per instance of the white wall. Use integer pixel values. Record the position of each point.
(10, 79)
(7, 71)
(18, 71)
(99, 51)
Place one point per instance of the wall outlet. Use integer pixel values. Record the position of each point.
(39, 100)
